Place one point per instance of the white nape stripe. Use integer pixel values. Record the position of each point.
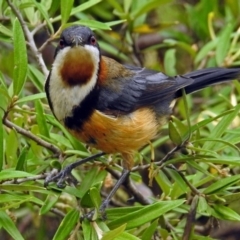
(65, 98)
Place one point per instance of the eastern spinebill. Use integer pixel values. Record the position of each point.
(113, 107)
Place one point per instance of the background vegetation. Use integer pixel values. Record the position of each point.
(193, 185)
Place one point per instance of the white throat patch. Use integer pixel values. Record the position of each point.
(65, 98)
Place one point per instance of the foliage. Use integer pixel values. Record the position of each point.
(202, 181)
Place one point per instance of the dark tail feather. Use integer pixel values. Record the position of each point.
(206, 77)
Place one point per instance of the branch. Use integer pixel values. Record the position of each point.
(28, 134)
(191, 219)
(159, 163)
(30, 39)
(26, 179)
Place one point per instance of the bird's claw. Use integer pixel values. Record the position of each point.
(93, 214)
(60, 177)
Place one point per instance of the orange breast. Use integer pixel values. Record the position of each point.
(123, 134)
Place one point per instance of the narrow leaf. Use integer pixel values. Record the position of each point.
(226, 213)
(2, 151)
(66, 7)
(221, 184)
(150, 213)
(7, 223)
(170, 62)
(95, 197)
(223, 44)
(148, 233)
(22, 158)
(20, 58)
(41, 119)
(49, 203)
(67, 225)
(44, 13)
(31, 98)
(10, 173)
(111, 235)
(174, 134)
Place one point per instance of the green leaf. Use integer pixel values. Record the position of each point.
(146, 7)
(8, 198)
(20, 58)
(80, 8)
(126, 235)
(148, 233)
(202, 205)
(30, 98)
(181, 185)
(174, 134)
(93, 177)
(2, 150)
(218, 140)
(22, 158)
(91, 24)
(111, 235)
(226, 213)
(27, 187)
(41, 119)
(7, 224)
(67, 225)
(163, 182)
(74, 142)
(49, 203)
(221, 127)
(223, 43)
(95, 197)
(10, 173)
(44, 13)
(182, 128)
(88, 230)
(149, 212)
(204, 51)
(36, 77)
(233, 197)
(5, 31)
(221, 184)
(66, 7)
(170, 62)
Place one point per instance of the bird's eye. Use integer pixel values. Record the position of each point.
(93, 40)
(61, 43)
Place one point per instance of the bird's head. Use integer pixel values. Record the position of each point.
(77, 56)
(74, 76)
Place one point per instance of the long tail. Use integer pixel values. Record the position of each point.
(210, 76)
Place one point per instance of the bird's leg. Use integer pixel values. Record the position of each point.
(61, 176)
(124, 176)
(121, 180)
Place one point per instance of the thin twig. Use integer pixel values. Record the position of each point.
(193, 189)
(26, 179)
(37, 28)
(45, 44)
(28, 134)
(159, 163)
(30, 39)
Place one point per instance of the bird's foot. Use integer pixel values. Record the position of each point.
(60, 177)
(65, 174)
(94, 214)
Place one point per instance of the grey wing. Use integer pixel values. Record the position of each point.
(144, 88)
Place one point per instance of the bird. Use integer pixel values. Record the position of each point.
(113, 107)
